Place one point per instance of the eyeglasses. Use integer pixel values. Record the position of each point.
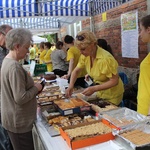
(3, 33)
(80, 37)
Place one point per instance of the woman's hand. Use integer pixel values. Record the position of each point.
(89, 91)
(38, 86)
(65, 76)
(87, 77)
(68, 92)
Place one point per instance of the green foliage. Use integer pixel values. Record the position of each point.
(50, 37)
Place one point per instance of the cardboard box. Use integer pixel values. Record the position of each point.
(85, 142)
(49, 111)
(74, 110)
(110, 124)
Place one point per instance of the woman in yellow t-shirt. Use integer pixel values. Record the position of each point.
(42, 53)
(47, 57)
(143, 97)
(100, 66)
(73, 56)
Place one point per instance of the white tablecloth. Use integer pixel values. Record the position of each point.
(43, 141)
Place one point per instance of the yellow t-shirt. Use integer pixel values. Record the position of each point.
(74, 53)
(144, 87)
(53, 48)
(32, 53)
(42, 54)
(104, 67)
(47, 58)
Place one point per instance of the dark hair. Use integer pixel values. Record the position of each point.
(103, 44)
(42, 45)
(48, 45)
(145, 21)
(58, 44)
(68, 39)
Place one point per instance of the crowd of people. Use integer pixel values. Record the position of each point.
(76, 60)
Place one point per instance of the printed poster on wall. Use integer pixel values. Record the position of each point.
(129, 34)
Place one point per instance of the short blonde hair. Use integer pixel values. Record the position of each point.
(84, 38)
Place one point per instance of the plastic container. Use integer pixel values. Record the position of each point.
(62, 83)
(39, 69)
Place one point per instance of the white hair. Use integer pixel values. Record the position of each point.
(19, 36)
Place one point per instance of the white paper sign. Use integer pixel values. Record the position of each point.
(129, 34)
(32, 67)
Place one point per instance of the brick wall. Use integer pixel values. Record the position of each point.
(63, 32)
(111, 31)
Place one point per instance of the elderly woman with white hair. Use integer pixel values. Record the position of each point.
(18, 91)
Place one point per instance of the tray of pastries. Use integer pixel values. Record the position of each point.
(74, 119)
(87, 131)
(49, 111)
(72, 105)
(53, 124)
(123, 117)
(51, 88)
(50, 93)
(86, 134)
(137, 135)
(100, 105)
(47, 100)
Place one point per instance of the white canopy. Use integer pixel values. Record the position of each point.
(37, 39)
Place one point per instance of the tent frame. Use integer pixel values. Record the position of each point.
(38, 19)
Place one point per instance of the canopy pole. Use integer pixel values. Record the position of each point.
(91, 8)
(92, 24)
(59, 26)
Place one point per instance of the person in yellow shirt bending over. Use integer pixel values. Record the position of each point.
(47, 57)
(143, 97)
(100, 66)
(43, 53)
(73, 55)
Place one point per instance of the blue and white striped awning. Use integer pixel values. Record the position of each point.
(29, 22)
(50, 14)
(65, 8)
(30, 8)
(100, 6)
(18, 8)
(39, 22)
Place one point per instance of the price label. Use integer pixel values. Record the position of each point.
(68, 112)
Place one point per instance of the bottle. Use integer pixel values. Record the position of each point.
(96, 116)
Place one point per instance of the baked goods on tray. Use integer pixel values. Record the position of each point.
(86, 131)
(46, 99)
(49, 76)
(119, 122)
(137, 137)
(49, 93)
(64, 121)
(101, 109)
(70, 103)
